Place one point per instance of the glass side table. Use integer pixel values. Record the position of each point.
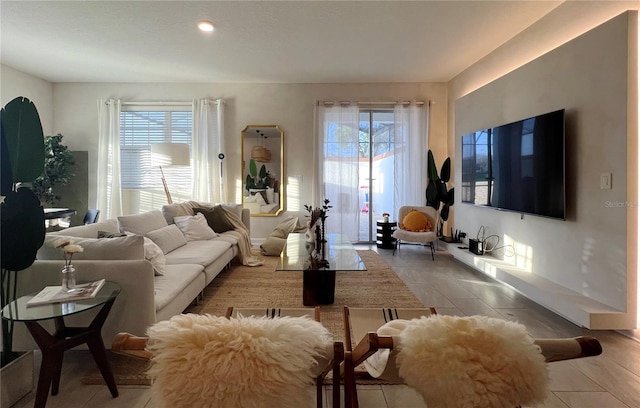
(64, 338)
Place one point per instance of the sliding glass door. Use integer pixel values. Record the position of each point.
(370, 161)
(376, 169)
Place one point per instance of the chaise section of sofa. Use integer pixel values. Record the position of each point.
(151, 291)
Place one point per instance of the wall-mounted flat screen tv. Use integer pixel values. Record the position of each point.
(518, 167)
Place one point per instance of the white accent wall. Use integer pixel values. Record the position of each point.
(593, 254)
(288, 105)
(15, 83)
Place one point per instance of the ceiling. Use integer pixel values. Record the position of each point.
(257, 41)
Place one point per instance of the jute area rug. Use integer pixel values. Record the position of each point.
(264, 287)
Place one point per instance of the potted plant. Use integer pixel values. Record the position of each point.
(438, 195)
(22, 230)
(258, 180)
(57, 170)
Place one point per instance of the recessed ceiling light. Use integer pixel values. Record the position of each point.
(205, 26)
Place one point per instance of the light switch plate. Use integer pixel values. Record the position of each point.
(605, 181)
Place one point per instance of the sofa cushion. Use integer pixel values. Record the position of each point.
(216, 218)
(168, 238)
(173, 282)
(140, 224)
(129, 247)
(198, 252)
(89, 230)
(230, 236)
(195, 227)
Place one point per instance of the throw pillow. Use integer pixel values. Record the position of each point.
(285, 227)
(107, 234)
(275, 242)
(216, 218)
(273, 246)
(170, 211)
(152, 252)
(140, 224)
(270, 196)
(195, 227)
(263, 194)
(167, 238)
(260, 199)
(416, 221)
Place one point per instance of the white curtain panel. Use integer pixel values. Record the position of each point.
(338, 158)
(207, 144)
(410, 157)
(109, 190)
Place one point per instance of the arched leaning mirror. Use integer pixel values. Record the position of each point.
(263, 169)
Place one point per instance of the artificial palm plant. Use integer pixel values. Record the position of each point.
(22, 231)
(438, 195)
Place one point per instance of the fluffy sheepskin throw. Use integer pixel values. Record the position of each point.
(472, 362)
(248, 362)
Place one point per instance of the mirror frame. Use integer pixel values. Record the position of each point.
(248, 142)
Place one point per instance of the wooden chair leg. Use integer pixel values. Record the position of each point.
(350, 394)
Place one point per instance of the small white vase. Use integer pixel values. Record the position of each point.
(310, 235)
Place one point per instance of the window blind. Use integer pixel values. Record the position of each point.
(141, 128)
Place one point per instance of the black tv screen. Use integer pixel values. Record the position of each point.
(518, 167)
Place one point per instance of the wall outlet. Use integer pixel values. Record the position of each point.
(605, 181)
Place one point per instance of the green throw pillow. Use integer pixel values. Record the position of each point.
(216, 218)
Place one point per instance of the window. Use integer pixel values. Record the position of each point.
(139, 128)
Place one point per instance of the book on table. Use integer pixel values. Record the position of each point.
(55, 294)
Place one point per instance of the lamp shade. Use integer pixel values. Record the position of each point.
(170, 154)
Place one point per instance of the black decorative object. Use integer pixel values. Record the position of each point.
(437, 194)
(22, 229)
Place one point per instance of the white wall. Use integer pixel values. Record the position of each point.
(14, 83)
(593, 77)
(287, 105)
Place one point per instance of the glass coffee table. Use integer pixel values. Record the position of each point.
(54, 345)
(319, 267)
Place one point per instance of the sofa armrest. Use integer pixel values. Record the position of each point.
(133, 311)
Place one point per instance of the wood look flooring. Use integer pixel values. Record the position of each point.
(611, 380)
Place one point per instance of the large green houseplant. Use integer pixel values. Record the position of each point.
(57, 170)
(439, 196)
(258, 179)
(22, 230)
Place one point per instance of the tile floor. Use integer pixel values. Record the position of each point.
(611, 380)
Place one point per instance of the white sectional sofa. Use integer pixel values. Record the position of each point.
(150, 291)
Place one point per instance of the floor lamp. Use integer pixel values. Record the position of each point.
(169, 154)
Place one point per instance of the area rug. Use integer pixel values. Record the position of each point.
(243, 286)
(126, 371)
(263, 286)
